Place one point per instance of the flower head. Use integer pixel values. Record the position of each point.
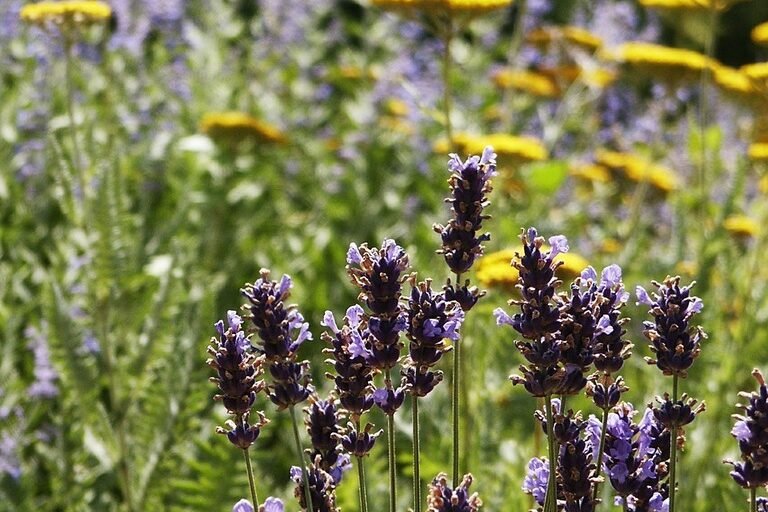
(536, 479)
(751, 431)
(359, 443)
(67, 15)
(470, 184)
(673, 340)
(233, 128)
(442, 498)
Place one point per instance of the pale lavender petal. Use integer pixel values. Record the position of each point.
(611, 276)
(330, 322)
(559, 244)
(642, 296)
(589, 274)
(353, 255)
(502, 317)
(243, 506)
(273, 505)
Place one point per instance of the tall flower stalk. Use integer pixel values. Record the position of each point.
(237, 372)
(379, 274)
(676, 344)
(281, 330)
(462, 243)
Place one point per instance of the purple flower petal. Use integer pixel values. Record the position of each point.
(589, 274)
(243, 506)
(559, 244)
(642, 296)
(611, 276)
(273, 505)
(330, 322)
(353, 255)
(502, 317)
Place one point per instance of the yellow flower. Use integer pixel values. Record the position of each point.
(591, 172)
(741, 226)
(569, 34)
(760, 34)
(734, 81)
(695, 5)
(508, 147)
(758, 71)
(674, 63)
(449, 6)
(495, 270)
(639, 170)
(533, 83)
(67, 14)
(758, 151)
(236, 127)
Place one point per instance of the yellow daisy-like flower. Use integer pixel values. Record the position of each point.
(593, 173)
(236, 127)
(569, 34)
(757, 71)
(535, 84)
(734, 81)
(674, 63)
(690, 5)
(67, 14)
(760, 34)
(447, 6)
(596, 77)
(639, 170)
(741, 226)
(758, 152)
(508, 147)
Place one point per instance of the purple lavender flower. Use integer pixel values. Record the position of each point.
(442, 498)
(321, 486)
(379, 275)
(281, 330)
(431, 320)
(350, 355)
(359, 443)
(237, 370)
(673, 340)
(751, 431)
(272, 505)
(45, 374)
(636, 457)
(674, 414)
(324, 431)
(536, 480)
(243, 506)
(389, 399)
(9, 455)
(470, 184)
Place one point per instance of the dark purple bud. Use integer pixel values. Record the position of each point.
(357, 443)
(242, 434)
(676, 414)
(389, 399)
(442, 498)
(421, 381)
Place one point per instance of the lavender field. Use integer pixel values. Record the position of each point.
(383, 255)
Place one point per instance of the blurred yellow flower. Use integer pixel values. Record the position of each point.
(519, 148)
(236, 127)
(591, 172)
(639, 169)
(569, 34)
(449, 6)
(757, 71)
(741, 226)
(674, 63)
(758, 151)
(760, 34)
(67, 14)
(509, 148)
(535, 84)
(696, 5)
(733, 81)
(495, 270)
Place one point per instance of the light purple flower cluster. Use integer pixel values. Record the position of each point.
(443, 498)
(751, 431)
(237, 373)
(565, 335)
(431, 320)
(636, 459)
(281, 330)
(46, 375)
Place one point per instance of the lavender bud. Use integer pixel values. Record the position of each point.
(676, 414)
(358, 443)
(751, 431)
(470, 183)
(442, 498)
(322, 488)
(323, 427)
(389, 399)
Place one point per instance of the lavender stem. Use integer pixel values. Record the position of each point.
(251, 482)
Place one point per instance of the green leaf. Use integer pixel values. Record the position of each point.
(545, 177)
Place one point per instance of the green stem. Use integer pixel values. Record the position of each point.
(456, 402)
(600, 456)
(752, 499)
(416, 457)
(447, 61)
(550, 502)
(673, 453)
(361, 478)
(307, 493)
(391, 451)
(251, 483)
(70, 84)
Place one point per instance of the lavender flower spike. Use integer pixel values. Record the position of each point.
(470, 184)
